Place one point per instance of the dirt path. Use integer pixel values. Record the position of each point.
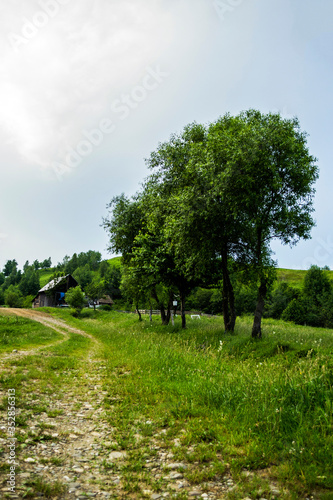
(45, 319)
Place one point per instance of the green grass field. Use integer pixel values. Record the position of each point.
(237, 403)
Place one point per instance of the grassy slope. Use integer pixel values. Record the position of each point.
(251, 402)
(294, 277)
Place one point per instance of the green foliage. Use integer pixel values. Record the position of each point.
(83, 276)
(29, 284)
(13, 297)
(215, 199)
(205, 300)
(245, 298)
(10, 266)
(279, 299)
(75, 299)
(94, 291)
(314, 305)
(112, 279)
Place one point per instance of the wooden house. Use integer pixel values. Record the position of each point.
(105, 301)
(53, 293)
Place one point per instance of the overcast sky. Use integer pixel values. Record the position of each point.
(88, 88)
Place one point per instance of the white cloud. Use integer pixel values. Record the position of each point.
(65, 77)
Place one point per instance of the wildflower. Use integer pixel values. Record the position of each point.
(219, 349)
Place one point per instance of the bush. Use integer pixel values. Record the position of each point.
(245, 299)
(75, 299)
(13, 297)
(279, 299)
(295, 311)
(106, 307)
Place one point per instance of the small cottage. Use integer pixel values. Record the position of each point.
(105, 301)
(53, 293)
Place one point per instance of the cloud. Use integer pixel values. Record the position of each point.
(64, 77)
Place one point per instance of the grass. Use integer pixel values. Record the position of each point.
(294, 277)
(220, 403)
(45, 275)
(250, 402)
(20, 333)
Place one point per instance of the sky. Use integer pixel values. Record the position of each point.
(88, 89)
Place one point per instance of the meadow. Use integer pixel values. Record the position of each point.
(239, 405)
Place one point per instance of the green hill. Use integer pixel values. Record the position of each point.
(294, 277)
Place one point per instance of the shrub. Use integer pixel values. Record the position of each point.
(13, 297)
(75, 298)
(279, 299)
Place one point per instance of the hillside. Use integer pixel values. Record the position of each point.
(293, 277)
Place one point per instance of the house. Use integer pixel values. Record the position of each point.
(105, 301)
(53, 293)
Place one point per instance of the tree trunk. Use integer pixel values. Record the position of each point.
(225, 303)
(228, 297)
(137, 310)
(151, 314)
(231, 299)
(168, 315)
(161, 306)
(182, 308)
(256, 328)
(163, 315)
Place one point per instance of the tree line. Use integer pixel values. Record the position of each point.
(94, 275)
(216, 197)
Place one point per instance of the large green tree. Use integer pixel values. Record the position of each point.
(269, 179)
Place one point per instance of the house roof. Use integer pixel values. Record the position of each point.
(53, 283)
(106, 299)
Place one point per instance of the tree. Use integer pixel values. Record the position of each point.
(216, 198)
(94, 291)
(198, 227)
(29, 284)
(247, 180)
(75, 299)
(314, 304)
(46, 263)
(269, 184)
(132, 288)
(10, 266)
(83, 276)
(36, 264)
(112, 278)
(13, 297)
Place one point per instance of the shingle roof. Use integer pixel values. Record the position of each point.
(53, 283)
